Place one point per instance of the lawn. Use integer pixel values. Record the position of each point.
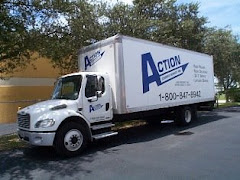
(221, 97)
(229, 104)
(8, 142)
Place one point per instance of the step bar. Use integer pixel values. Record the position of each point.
(102, 126)
(104, 135)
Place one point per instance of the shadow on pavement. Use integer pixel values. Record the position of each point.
(26, 163)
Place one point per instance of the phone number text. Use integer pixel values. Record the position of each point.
(180, 95)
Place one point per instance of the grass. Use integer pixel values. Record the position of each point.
(9, 142)
(229, 104)
(221, 97)
(128, 124)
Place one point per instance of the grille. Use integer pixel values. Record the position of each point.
(24, 120)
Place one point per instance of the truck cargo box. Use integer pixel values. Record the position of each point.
(145, 75)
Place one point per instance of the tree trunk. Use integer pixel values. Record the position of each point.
(226, 95)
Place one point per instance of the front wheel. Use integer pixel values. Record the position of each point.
(70, 139)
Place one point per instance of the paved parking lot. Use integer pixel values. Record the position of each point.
(208, 149)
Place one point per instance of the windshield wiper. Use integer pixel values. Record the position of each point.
(64, 97)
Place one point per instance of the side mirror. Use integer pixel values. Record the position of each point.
(99, 94)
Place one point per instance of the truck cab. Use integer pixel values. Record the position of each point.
(79, 111)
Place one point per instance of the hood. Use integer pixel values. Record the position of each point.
(45, 106)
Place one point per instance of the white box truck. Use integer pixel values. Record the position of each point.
(120, 78)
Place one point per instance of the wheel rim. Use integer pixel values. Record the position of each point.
(188, 116)
(73, 140)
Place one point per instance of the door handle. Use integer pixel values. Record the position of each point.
(107, 106)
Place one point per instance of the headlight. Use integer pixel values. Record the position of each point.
(45, 123)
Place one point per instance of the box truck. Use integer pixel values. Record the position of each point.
(120, 78)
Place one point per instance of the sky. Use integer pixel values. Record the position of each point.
(220, 13)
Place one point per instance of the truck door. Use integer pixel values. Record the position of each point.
(97, 105)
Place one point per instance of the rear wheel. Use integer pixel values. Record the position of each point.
(185, 115)
(70, 139)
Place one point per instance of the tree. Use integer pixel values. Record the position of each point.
(225, 50)
(173, 24)
(191, 27)
(55, 29)
(160, 19)
(61, 43)
(22, 26)
(14, 37)
(122, 18)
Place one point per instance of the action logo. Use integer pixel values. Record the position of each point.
(91, 60)
(95, 107)
(162, 72)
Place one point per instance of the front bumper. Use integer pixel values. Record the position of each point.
(37, 139)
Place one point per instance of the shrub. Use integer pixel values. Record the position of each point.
(234, 94)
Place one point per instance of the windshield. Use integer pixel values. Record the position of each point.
(67, 88)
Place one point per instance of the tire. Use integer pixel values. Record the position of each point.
(70, 140)
(185, 115)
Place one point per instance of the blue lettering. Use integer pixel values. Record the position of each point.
(177, 60)
(164, 61)
(95, 107)
(160, 68)
(91, 108)
(146, 79)
(87, 62)
(165, 71)
(168, 64)
(172, 62)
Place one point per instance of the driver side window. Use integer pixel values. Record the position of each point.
(91, 86)
(101, 84)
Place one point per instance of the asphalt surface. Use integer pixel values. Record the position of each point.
(208, 149)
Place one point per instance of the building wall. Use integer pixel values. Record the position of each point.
(33, 84)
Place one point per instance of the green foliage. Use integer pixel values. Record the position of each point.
(221, 96)
(23, 23)
(169, 23)
(158, 20)
(228, 104)
(55, 29)
(234, 94)
(225, 50)
(122, 19)
(80, 27)
(191, 27)
(14, 37)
